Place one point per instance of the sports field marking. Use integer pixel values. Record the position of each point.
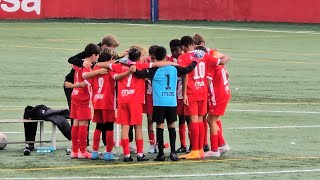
(224, 28)
(275, 61)
(15, 108)
(91, 166)
(230, 128)
(178, 175)
(39, 47)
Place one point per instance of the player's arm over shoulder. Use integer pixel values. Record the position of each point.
(185, 70)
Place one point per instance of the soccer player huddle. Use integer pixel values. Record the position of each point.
(190, 85)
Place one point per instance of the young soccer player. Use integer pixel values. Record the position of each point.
(108, 41)
(148, 107)
(80, 105)
(217, 98)
(164, 88)
(103, 88)
(176, 51)
(131, 91)
(195, 93)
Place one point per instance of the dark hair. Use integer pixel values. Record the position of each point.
(91, 49)
(152, 49)
(186, 41)
(160, 53)
(175, 43)
(202, 48)
(106, 55)
(134, 54)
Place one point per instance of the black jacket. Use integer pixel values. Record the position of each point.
(57, 117)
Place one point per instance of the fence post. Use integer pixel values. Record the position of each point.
(154, 5)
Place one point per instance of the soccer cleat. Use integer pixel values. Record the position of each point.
(152, 149)
(212, 154)
(223, 149)
(206, 148)
(73, 155)
(84, 155)
(174, 157)
(194, 154)
(95, 155)
(201, 152)
(142, 158)
(160, 158)
(127, 159)
(108, 156)
(133, 148)
(182, 149)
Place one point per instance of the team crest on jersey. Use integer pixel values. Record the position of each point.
(75, 92)
(125, 68)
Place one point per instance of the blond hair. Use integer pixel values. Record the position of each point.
(198, 39)
(110, 41)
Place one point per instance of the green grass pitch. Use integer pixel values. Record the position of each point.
(272, 122)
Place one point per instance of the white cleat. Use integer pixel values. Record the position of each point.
(223, 149)
(212, 154)
(152, 149)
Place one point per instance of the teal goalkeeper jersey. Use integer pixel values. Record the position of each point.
(164, 86)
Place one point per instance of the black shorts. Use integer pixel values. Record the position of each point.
(160, 113)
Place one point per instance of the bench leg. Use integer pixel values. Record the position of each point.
(54, 136)
(41, 132)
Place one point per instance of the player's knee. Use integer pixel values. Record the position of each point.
(109, 126)
(100, 126)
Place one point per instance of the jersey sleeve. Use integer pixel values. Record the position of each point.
(87, 81)
(211, 61)
(141, 66)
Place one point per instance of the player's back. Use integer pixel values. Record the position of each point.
(196, 82)
(103, 91)
(164, 85)
(130, 88)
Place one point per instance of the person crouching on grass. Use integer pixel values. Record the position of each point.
(80, 104)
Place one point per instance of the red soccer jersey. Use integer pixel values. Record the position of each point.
(179, 82)
(103, 91)
(81, 96)
(219, 87)
(130, 88)
(197, 79)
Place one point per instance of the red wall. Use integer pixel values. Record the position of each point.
(305, 11)
(97, 9)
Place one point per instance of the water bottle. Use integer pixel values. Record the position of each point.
(45, 149)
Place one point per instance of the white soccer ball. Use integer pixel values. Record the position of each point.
(3, 141)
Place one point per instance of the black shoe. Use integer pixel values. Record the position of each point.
(206, 148)
(174, 157)
(160, 158)
(142, 158)
(182, 149)
(68, 151)
(127, 159)
(30, 147)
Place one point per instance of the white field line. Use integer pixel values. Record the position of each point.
(222, 28)
(261, 173)
(272, 111)
(232, 110)
(231, 128)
